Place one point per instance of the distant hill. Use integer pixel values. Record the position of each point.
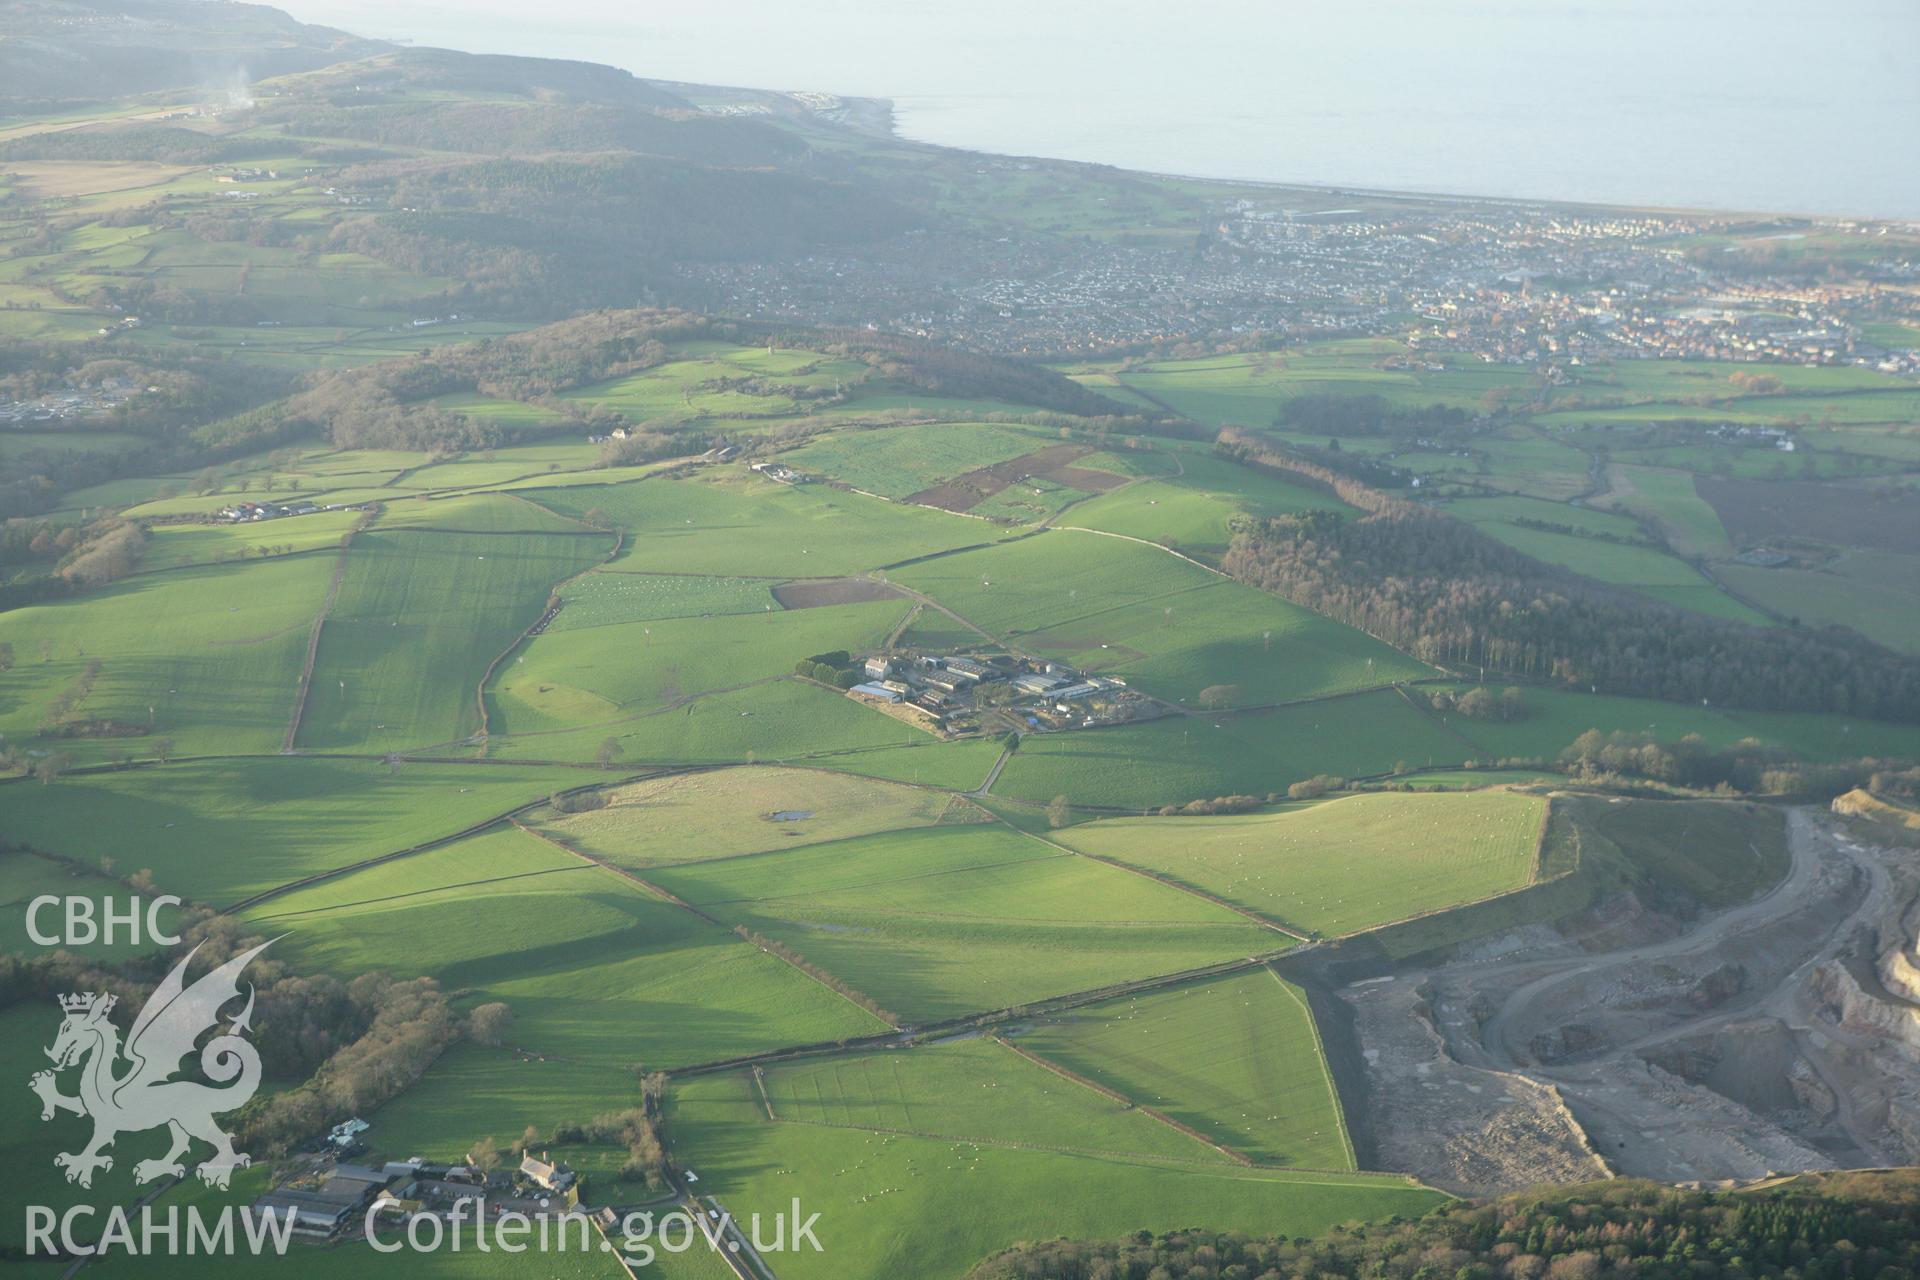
(86, 50)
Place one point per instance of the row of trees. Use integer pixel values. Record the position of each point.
(1749, 766)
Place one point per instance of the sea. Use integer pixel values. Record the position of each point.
(1741, 105)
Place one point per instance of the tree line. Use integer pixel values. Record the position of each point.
(1856, 1226)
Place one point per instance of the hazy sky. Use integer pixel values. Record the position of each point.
(1741, 103)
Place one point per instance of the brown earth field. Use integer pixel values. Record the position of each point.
(1755, 511)
(964, 492)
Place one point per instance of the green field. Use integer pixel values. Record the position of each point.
(1877, 593)
(945, 921)
(599, 599)
(477, 513)
(974, 1090)
(171, 545)
(418, 619)
(1339, 866)
(897, 462)
(1250, 648)
(1193, 511)
(1605, 547)
(785, 719)
(600, 674)
(1669, 500)
(736, 523)
(1180, 758)
(1117, 607)
(1236, 1058)
(25, 876)
(219, 676)
(894, 1205)
(1555, 717)
(690, 817)
(29, 1145)
(219, 830)
(599, 972)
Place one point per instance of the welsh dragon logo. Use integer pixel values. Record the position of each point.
(128, 1088)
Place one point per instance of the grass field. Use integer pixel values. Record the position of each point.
(1669, 500)
(171, 545)
(1339, 866)
(598, 972)
(1252, 648)
(1236, 1058)
(208, 657)
(418, 618)
(1118, 607)
(473, 1090)
(1649, 570)
(599, 599)
(1877, 593)
(591, 675)
(786, 719)
(898, 461)
(1037, 582)
(894, 1205)
(733, 522)
(26, 876)
(975, 1090)
(690, 817)
(478, 513)
(29, 1145)
(945, 921)
(1555, 717)
(1193, 511)
(219, 830)
(1180, 758)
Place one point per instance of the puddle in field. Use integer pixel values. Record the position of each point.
(789, 815)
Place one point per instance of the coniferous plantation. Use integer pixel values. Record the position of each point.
(666, 674)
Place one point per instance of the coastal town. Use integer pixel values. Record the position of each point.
(1511, 283)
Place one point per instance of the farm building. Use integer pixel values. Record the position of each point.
(546, 1175)
(968, 669)
(329, 1208)
(876, 691)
